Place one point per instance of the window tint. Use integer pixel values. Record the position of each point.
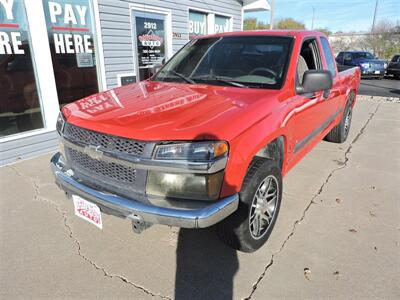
(396, 58)
(328, 56)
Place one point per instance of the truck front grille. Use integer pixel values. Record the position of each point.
(84, 163)
(107, 142)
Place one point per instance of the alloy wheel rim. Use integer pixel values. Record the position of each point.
(347, 121)
(263, 207)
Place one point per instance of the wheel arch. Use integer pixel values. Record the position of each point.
(274, 150)
(274, 147)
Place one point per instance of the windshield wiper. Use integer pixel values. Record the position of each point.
(222, 79)
(185, 78)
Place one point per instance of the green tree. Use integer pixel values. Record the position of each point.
(290, 23)
(254, 24)
(249, 24)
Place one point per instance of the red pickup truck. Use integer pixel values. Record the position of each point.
(209, 137)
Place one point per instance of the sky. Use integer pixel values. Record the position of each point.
(335, 15)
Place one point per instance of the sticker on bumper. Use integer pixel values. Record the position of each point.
(87, 211)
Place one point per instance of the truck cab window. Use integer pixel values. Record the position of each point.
(330, 62)
(309, 59)
(339, 58)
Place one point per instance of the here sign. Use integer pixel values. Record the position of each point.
(10, 35)
(66, 18)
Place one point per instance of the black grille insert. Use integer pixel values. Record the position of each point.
(107, 142)
(105, 169)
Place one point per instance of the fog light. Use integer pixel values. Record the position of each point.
(188, 186)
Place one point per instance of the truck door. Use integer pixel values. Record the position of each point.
(312, 112)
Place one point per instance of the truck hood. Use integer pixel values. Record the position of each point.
(171, 111)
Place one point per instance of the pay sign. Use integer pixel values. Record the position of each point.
(67, 17)
(10, 41)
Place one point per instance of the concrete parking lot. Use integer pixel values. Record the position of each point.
(337, 235)
(387, 87)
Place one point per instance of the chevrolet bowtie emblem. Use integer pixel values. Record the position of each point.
(93, 152)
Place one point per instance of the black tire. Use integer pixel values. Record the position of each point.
(235, 230)
(340, 132)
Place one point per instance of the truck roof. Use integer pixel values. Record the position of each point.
(291, 33)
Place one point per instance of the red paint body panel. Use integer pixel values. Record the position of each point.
(248, 119)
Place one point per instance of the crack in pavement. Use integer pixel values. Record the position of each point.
(63, 213)
(319, 191)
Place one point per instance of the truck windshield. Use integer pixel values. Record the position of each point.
(241, 61)
(366, 55)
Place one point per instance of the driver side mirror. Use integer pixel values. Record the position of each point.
(316, 80)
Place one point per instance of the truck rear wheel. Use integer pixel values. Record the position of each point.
(259, 201)
(339, 133)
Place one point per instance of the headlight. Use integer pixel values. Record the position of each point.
(60, 123)
(187, 186)
(196, 151)
(385, 65)
(365, 65)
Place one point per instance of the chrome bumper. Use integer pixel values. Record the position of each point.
(132, 209)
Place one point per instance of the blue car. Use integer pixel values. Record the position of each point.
(370, 65)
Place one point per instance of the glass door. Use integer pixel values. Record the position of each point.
(149, 36)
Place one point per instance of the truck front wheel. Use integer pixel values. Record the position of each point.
(259, 201)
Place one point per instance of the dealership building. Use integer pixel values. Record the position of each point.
(53, 52)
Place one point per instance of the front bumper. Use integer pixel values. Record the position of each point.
(372, 72)
(202, 217)
(393, 71)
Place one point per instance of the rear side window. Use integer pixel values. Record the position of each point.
(339, 58)
(328, 56)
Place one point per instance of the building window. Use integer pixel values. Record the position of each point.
(202, 23)
(222, 24)
(70, 29)
(197, 23)
(20, 108)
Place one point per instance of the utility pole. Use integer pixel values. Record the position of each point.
(374, 20)
(312, 20)
(271, 18)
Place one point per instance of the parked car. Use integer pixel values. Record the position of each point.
(369, 65)
(209, 137)
(394, 66)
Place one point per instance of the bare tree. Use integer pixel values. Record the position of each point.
(384, 40)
